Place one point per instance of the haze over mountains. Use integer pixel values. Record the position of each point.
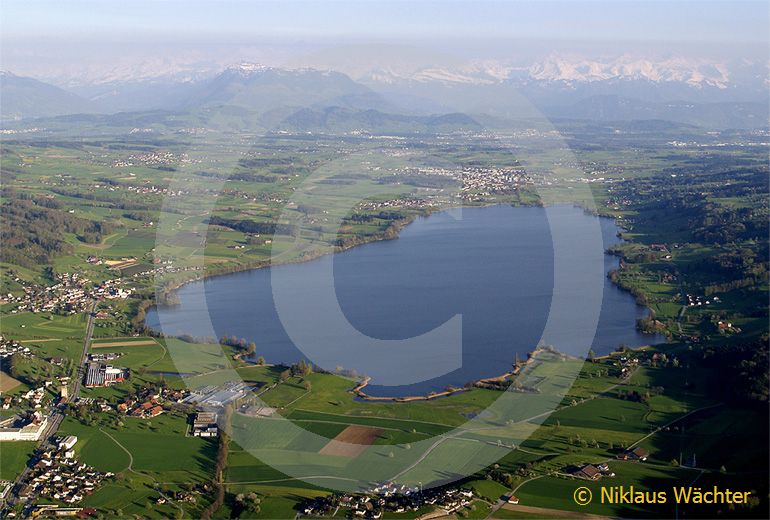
(701, 92)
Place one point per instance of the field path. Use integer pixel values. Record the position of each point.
(132, 470)
(138, 343)
(547, 512)
(130, 457)
(357, 416)
(277, 480)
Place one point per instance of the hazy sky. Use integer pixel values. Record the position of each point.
(47, 38)
(567, 19)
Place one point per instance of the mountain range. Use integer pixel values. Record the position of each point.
(704, 93)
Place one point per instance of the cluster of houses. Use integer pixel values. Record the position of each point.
(101, 404)
(204, 424)
(491, 181)
(147, 402)
(145, 410)
(101, 374)
(154, 158)
(397, 203)
(725, 327)
(697, 301)
(56, 475)
(390, 498)
(173, 395)
(144, 189)
(627, 366)
(10, 347)
(70, 295)
(164, 266)
(112, 289)
(35, 398)
(476, 181)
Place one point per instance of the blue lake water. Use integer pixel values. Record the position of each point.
(495, 267)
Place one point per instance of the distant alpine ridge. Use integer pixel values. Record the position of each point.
(555, 68)
(692, 91)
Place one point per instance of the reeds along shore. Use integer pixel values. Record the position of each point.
(490, 382)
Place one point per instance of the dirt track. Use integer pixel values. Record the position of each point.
(124, 343)
(546, 512)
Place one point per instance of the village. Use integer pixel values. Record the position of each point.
(9, 347)
(56, 475)
(71, 294)
(390, 498)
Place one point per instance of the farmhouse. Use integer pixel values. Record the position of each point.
(634, 454)
(588, 472)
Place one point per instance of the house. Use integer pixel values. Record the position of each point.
(512, 499)
(156, 411)
(588, 472)
(634, 454)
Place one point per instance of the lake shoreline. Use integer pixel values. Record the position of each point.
(393, 232)
(517, 368)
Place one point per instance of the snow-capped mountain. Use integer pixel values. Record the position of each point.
(687, 90)
(692, 72)
(696, 73)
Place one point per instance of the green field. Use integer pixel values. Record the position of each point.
(710, 215)
(14, 456)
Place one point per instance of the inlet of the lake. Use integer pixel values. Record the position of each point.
(494, 267)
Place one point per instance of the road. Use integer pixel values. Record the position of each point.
(56, 416)
(84, 356)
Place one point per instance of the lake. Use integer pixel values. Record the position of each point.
(494, 267)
